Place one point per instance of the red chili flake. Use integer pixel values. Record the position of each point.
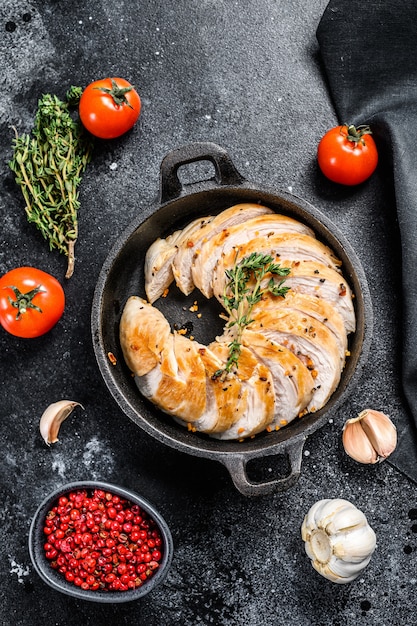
(190, 244)
(94, 554)
(112, 358)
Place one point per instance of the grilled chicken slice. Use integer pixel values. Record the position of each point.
(316, 279)
(316, 308)
(293, 381)
(168, 370)
(191, 246)
(159, 257)
(255, 404)
(262, 226)
(223, 406)
(288, 247)
(143, 331)
(178, 384)
(311, 341)
(242, 404)
(178, 376)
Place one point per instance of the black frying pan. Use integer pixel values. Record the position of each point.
(122, 276)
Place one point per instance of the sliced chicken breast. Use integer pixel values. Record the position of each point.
(215, 247)
(159, 257)
(223, 399)
(293, 381)
(240, 405)
(168, 369)
(314, 307)
(144, 331)
(316, 279)
(177, 385)
(311, 342)
(191, 246)
(255, 404)
(180, 376)
(292, 352)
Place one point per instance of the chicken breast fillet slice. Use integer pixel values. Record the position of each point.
(262, 226)
(311, 278)
(288, 247)
(159, 257)
(168, 369)
(293, 382)
(177, 375)
(190, 247)
(242, 404)
(256, 404)
(311, 342)
(318, 280)
(143, 331)
(223, 406)
(316, 308)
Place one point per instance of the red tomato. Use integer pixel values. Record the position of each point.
(31, 302)
(347, 155)
(109, 107)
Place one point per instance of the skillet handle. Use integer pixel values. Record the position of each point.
(225, 171)
(236, 465)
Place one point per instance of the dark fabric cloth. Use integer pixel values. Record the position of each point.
(369, 52)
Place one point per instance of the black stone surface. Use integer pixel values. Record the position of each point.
(245, 75)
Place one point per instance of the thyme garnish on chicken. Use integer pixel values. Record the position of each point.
(239, 297)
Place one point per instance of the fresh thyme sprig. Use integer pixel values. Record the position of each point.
(239, 298)
(48, 165)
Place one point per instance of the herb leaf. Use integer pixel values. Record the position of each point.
(239, 298)
(48, 165)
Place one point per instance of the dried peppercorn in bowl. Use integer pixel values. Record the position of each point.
(100, 542)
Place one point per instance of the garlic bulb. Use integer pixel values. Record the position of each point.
(369, 438)
(52, 418)
(338, 539)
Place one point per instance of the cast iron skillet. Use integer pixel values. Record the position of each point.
(122, 276)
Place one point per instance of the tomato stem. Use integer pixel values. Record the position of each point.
(24, 300)
(355, 133)
(117, 93)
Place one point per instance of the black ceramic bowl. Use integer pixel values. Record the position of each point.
(57, 580)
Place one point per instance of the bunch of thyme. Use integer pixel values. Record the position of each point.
(239, 299)
(48, 165)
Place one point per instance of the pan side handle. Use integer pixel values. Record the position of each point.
(225, 171)
(236, 464)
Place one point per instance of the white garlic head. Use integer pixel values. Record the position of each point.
(338, 539)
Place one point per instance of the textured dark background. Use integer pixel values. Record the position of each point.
(247, 75)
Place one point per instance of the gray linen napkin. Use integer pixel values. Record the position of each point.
(369, 51)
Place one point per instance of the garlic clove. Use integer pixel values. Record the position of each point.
(369, 438)
(345, 517)
(380, 431)
(357, 444)
(355, 545)
(52, 418)
(345, 571)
